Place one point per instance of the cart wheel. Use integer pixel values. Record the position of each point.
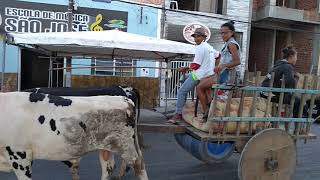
(270, 154)
(205, 151)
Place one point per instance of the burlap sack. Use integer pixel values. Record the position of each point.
(188, 115)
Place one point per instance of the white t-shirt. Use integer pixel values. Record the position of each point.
(205, 56)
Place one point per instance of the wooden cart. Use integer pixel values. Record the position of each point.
(267, 152)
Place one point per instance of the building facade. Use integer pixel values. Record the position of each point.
(50, 16)
(278, 23)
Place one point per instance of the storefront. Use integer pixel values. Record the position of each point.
(32, 17)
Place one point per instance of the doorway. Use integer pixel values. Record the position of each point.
(34, 70)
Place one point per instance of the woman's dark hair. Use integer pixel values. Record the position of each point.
(288, 52)
(230, 25)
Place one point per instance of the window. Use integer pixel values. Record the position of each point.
(217, 6)
(210, 6)
(286, 3)
(219, 9)
(113, 68)
(190, 5)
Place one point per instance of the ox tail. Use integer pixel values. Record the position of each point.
(139, 135)
(137, 103)
(139, 166)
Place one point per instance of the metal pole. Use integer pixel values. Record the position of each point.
(3, 65)
(96, 67)
(19, 69)
(51, 72)
(57, 79)
(69, 59)
(114, 67)
(64, 71)
(166, 88)
(163, 36)
(274, 40)
(160, 84)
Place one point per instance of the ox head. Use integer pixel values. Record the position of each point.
(134, 95)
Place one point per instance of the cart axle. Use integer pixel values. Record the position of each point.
(272, 165)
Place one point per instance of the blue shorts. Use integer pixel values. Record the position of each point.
(225, 77)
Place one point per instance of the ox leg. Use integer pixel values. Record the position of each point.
(140, 169)
(107, 164)
(131, 157)
(20, 161)
(73, 168)
(138, 166)
(4, 164)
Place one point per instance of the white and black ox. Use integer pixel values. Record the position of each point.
(40, 126)
(106, 157)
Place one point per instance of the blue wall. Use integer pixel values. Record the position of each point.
(11, 57)
(147, 25)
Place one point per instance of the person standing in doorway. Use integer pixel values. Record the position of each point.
(201, 67)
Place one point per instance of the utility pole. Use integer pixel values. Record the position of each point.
(163, 72)
(69, 59)
(70, 15)
(163, 21)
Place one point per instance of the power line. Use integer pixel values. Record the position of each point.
(254, 24)
(181, 11)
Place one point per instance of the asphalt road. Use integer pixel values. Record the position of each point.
(166, 160)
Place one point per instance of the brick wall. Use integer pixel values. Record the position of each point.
(257, 4)
(306, 4)
(303, 43)
(260, 49)
(310, 7)
(281, 42)
(261, 44)
(300, 4)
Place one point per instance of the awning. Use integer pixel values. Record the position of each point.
(107, 44)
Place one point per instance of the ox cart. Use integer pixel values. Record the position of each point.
(267, 143)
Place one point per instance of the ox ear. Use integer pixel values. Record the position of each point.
(35, 97)
(127, 90)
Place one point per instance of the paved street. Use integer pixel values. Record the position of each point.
(167, 161)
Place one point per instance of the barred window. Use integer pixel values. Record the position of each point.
(114, 67)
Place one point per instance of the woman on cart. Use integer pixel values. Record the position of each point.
(284, 68)
(230, 59)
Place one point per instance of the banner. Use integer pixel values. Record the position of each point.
(189, 29)
(106, 1)
(23, 17)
